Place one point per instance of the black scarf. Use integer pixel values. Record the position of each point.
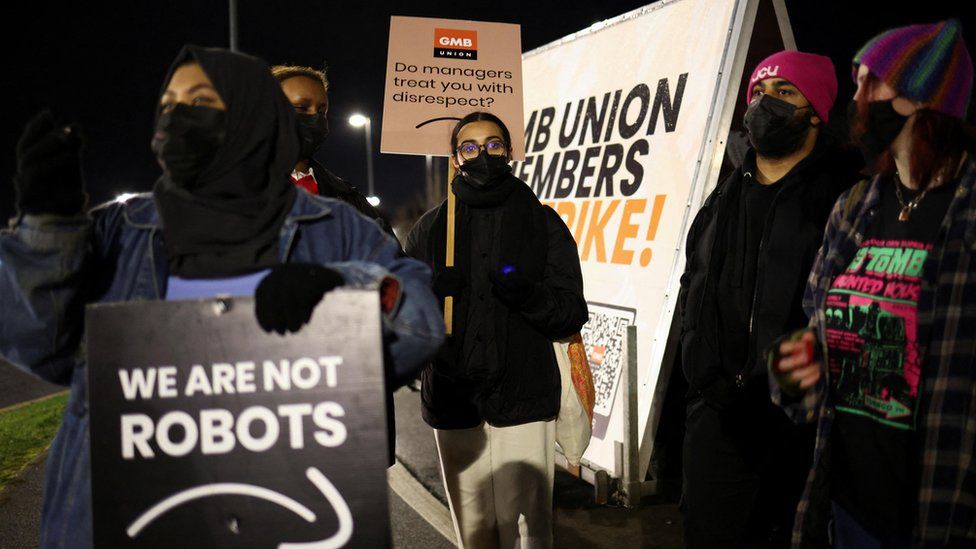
(523, 242)
(229, 223)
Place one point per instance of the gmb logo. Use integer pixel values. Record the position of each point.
(456, 43)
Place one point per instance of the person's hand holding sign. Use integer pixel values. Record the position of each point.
(285, 299)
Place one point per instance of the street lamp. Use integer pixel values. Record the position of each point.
(358, 121)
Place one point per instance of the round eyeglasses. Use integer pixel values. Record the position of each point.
(470, 151)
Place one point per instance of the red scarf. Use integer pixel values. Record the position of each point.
(306, 182)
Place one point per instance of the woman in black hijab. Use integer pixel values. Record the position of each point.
(223, 195)
(223, 218)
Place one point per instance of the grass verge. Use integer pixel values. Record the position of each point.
(25, 431)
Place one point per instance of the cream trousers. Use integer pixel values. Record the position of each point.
(499, 484)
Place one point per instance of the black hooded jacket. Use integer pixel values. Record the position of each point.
(333, 186)
(791, 235)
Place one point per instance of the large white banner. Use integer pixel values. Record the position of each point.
(617, 118)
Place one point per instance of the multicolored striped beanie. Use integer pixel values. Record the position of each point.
(925, 63)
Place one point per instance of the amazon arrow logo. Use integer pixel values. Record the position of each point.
(332, 495)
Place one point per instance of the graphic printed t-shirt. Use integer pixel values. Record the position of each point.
(875, 363)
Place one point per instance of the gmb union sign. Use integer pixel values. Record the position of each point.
(472, 66)
(456, 43)
(208, 432)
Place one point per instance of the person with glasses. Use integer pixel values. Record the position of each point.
(492, 392)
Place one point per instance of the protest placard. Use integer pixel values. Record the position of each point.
(208, 432)
(439, 70)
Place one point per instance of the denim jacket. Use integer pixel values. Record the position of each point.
(51, 267)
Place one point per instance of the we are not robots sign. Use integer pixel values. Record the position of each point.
(208, 432)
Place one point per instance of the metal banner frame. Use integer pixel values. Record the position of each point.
(632, 457)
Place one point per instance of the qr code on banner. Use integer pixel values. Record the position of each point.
(604, 335)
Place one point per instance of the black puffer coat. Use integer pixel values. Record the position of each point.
(527, 386)
(792, 234)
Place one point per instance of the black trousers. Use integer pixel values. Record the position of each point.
(744, 468)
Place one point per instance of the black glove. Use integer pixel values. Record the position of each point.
(48, 179)
(510, 287)
(447, 282)
(285, 299)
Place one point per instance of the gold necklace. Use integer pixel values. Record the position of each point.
(907, 207)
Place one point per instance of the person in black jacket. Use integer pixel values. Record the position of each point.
(492, 393)
(307, 89)
(749, 252)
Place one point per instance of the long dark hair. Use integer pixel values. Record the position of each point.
(938, 141)
(478, 117)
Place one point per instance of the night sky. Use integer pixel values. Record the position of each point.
(102, 64)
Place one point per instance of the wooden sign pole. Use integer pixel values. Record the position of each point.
(449, 255)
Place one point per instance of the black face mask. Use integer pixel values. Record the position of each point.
(774, 128)
(883, 126)
(186, 140)
(485, 169)
(312, 128)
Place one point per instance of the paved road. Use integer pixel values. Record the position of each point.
(579, 523)
(20, 507)
(17, 386)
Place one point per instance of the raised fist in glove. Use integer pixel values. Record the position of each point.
(48, 179)
(511, 287)
(285, 299)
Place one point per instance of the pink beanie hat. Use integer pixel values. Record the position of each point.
(812, 74)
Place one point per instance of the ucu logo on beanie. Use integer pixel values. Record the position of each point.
(768, 71)
(812, 74)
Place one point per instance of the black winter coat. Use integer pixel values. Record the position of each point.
(530, 392)
(333, 186)
(792, 234)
